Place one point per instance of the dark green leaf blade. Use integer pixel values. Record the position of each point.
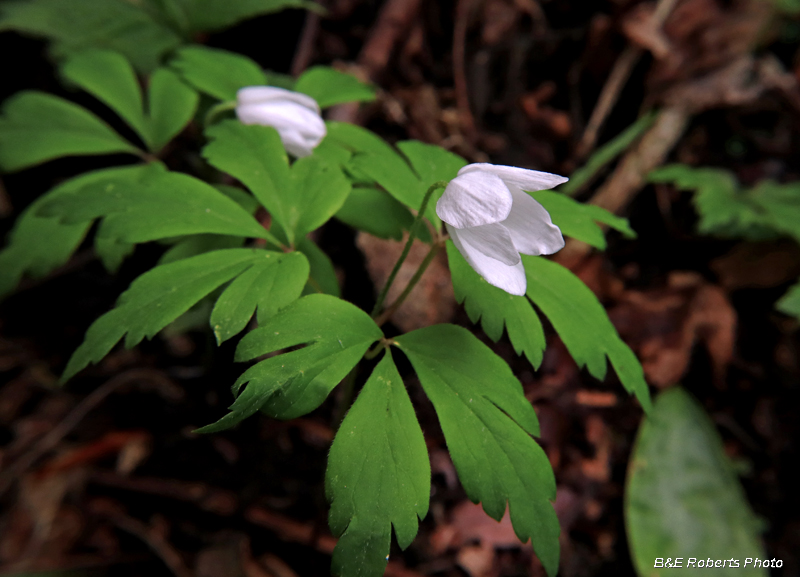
(496, 308)
(171, 106)
(682, 497)
(269, 286)
(38, 127)
(317, 190)
(378, 475)
(110, 78)
(790, 302)
(322, 278)
(583, 325)
(335, 334)
(372, 210)
(487, 422)
(328, 87)
(578, 220)
(157, 298)
(218, 73)
(166, 204)
(207, 15)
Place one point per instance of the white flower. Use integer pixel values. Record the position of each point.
(491, 220)
(295, 116)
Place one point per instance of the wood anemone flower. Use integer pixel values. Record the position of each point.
(491, 220)
(295, 116)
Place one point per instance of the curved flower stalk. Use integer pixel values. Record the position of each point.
(295, 116)
(491, 220)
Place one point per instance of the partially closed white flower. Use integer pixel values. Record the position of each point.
(295, 116)
(491, 220)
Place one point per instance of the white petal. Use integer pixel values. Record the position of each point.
(474, 199)
(493, 240)
(531, 180)
(531, 228)
(262, 94)
(281, 114)
(295, 143)
(509, 278)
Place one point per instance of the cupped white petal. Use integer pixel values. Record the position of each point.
(297, 144)
(263, 94)
(510, 278)
(524, 179)
(281, 114)
(493, 240)
(474, 199)
(531, 229)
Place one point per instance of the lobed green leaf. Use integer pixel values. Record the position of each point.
(215, 72)
(790, 302)
(372, 210)
(171, 106)
(328, 87)
(487, 422)
(378, 475)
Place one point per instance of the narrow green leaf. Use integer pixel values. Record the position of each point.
(38, 127)
(268, 286)
(487, 422)
(158, 297)
(164, 205)
(328, 87)
(683, 499)
(578, 220)
(218, 73)
(583, 325)
(788, 304)
(171, 106)
(322, 278)
(317, 190)
(37, 245)
(206, 15)
(112, 251)
(496, 308)
(194, 244)
(372, 210)
(109, 77)
(77, 25)
(336, 335)
(378, 475)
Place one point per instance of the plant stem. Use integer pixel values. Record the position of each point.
(412, 233)
(387, 314)
(218, 109)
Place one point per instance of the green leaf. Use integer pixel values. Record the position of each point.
(578, 220)
(210, 15)
(323, 277)
(583, 325)
(158, 297)
(496, 308)
(195, 244)
(112, 251)
(38, 127)
(171, 106)
(164, 205)
(268, 286)
(218, 73)
(300, 198)
(487, 422)
(378, 475)
(336, 335)
(789, 303)
(110, 78)
(76, 25)
(373, 211)
(37, 245)
(682, 497)
(329, 87)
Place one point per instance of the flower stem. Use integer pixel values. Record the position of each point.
(412, 233)
(387, 314)
(218, 109)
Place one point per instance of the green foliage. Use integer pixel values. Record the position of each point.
(487, 422)
(215, 72)
(372, 210)
(579, 220)
(682, 497)
(378, 475)
(38, 127)
(162, 294)
(496, 308)
(790, 302)
(111, 79)
(38, 244)
(583, 325)
(118, 25)
(335, 335)
(329, 87)
(607, 153)
(192, 16)
(322, 278)
(299, 198)
(163, 205)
